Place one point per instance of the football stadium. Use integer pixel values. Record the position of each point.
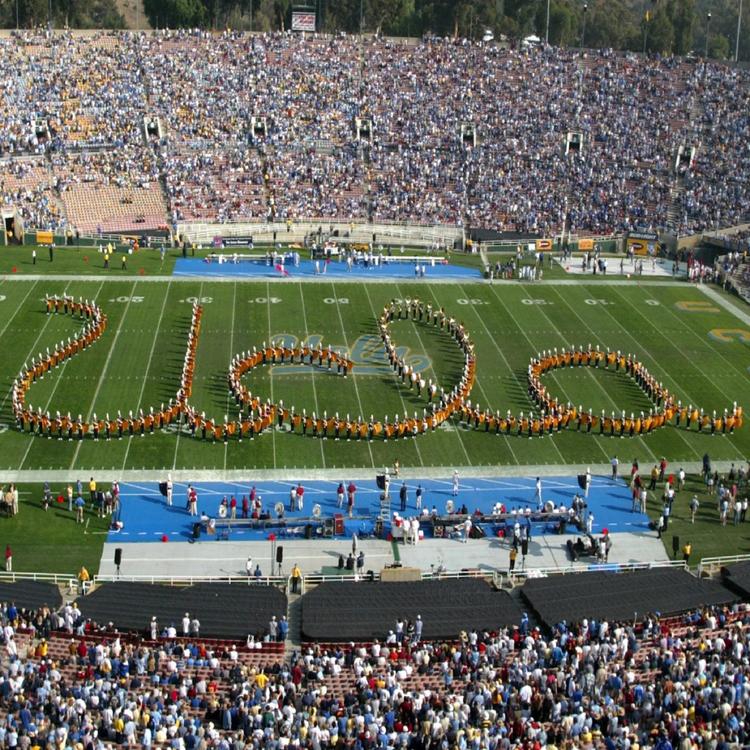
(374, 375)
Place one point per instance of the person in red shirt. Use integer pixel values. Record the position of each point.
(8, 558)
(233, 507)
(351, 489)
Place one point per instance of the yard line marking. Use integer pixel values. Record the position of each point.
(270, 369)
(716, 297)
(650, 356)
(103, 373)
(33, 347)
(51, 397)
(521, 382)
(354, 373)
(399, 386)
(148, 366)
(179, 424)
(506, 438)
(312, 380)
(231, 354)
(591, 377)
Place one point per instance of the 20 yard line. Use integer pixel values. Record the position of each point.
(148, 367)
(104, 372)
(354, 374)
(312, 379)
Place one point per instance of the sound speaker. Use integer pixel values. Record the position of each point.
(675, 544)
(118, 556)
(197, 530)
(380, 481)
(279, 555)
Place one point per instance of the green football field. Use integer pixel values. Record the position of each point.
(696, 347)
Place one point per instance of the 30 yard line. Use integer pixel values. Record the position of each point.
(523, 385)
(592, 377)
(354, 373)
(651, 357)
(312, 379)
(102, 376)
(148, 367)
(270, 369)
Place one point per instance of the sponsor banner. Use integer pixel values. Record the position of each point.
(544, 245)
(232, 241)
(586, 244)
(303, 21)
(44, 238)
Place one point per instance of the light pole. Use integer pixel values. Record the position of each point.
(708, 32)
(737, 38)
(546, 33)
(583, 33)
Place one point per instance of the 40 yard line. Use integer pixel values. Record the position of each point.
(231, 354)
(312, 378)
(148, 367)
(270, 369)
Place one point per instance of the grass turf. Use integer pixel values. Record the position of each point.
(51, 541)
(138, 362)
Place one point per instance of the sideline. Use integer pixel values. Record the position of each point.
(357, 473)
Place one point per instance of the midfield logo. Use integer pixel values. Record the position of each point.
(367, 354)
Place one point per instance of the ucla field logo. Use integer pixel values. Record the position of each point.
(366, 353)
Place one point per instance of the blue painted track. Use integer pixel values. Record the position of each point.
(147, 518)
(334, 270)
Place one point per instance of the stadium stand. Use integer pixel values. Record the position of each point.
(134, 131)
(674, 682)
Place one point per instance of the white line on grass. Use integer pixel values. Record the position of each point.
(231, 354)
(591, 375)
(102, 376)
(706, 344)
(270, 369)
(180, 417)
(354, 373)
(399, 386)
(312, 378)
(506, 438)
(33, 347)
(58, 380)
(651, 357)
(521, 382)
(148, 367)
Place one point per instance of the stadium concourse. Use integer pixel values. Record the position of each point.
(316, 531)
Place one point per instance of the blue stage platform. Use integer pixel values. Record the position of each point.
(146, 517)
(334, 270)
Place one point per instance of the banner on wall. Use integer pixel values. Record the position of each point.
(303, 21)
(643, 243)
(44, 238)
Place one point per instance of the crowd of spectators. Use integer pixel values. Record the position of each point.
(666, 683)
(247, 127)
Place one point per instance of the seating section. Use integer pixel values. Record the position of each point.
(250, 127)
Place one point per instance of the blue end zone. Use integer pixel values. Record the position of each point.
(147, 518)
(335, 270)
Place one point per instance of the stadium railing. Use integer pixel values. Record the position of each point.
(710, 565)
(353, 231)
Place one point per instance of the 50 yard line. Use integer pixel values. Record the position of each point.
(270, 369)
(231, 354)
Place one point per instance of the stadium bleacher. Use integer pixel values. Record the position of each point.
(98, 167)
